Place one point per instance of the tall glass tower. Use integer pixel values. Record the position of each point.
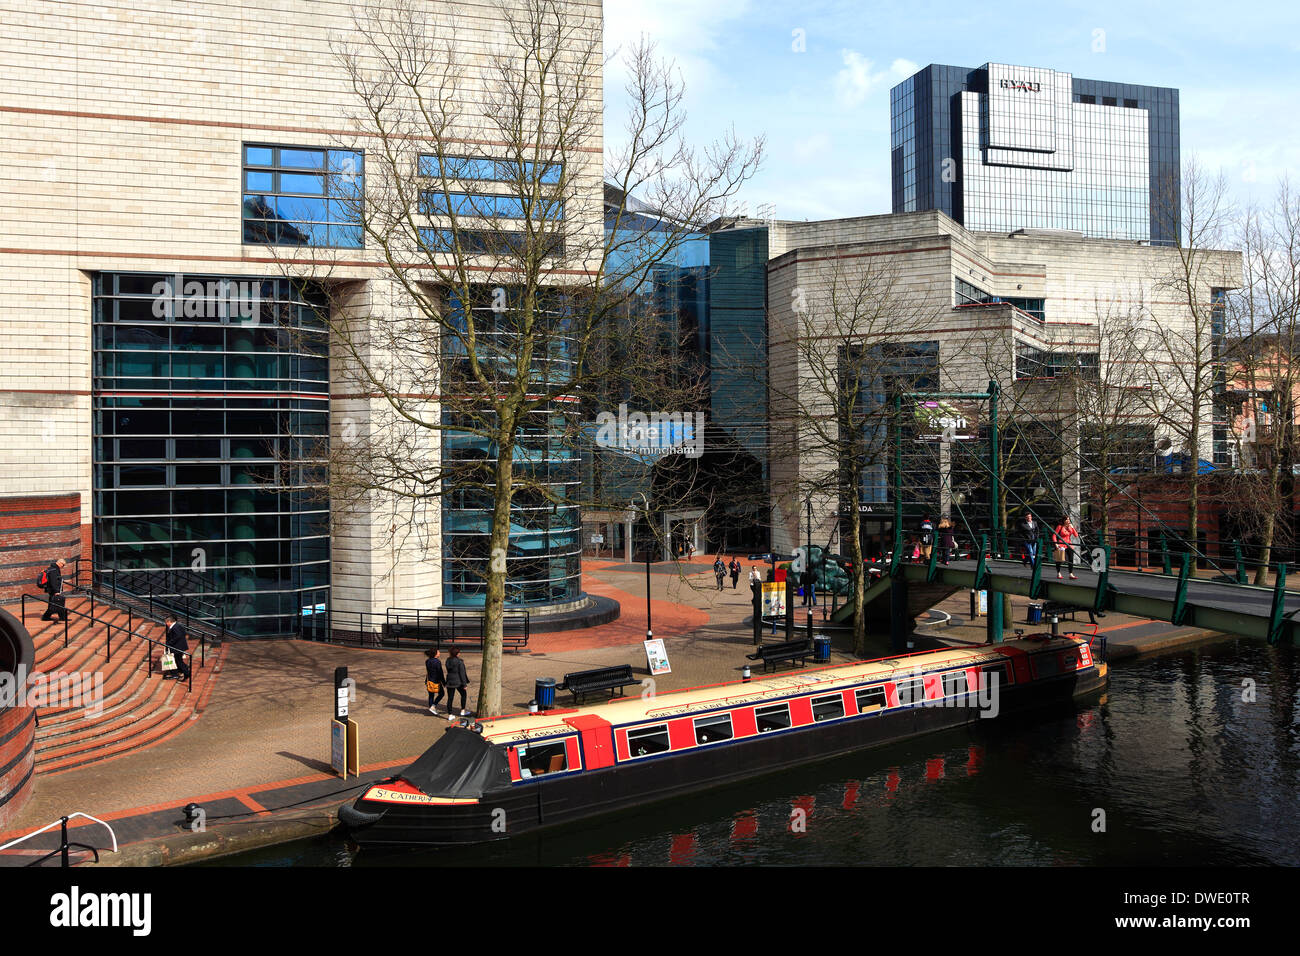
(1002, 147)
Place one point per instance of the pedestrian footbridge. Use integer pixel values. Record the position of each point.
(1220, 604)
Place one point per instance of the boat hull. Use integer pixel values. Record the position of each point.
(552, 801)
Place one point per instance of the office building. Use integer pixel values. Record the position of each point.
(1002, 147)
(180, 190)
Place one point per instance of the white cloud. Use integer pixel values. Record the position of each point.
(859, 78)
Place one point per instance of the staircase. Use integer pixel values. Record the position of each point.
(111, 705)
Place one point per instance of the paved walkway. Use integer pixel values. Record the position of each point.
(262, 744)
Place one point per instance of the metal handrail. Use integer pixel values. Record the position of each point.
(109, 626)
(64, 844)
(375, 630)
(214, 620)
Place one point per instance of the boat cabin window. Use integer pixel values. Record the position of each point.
(709, 729)
(1046, 665)
(648, 740)
(995, 675)
(870, 698)
(828, 707)
(537, 759)
(911, 691)
(954, 683)
(772, 717)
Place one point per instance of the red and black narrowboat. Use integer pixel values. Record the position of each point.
(512, 775)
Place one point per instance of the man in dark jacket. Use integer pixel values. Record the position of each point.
(1028, 529)
(435, 682)
(734, 568)
(719, 571)
(176, 642)
(54, 588)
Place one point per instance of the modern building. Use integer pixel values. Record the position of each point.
(179, 200)
(956, 309)
(1000, 148)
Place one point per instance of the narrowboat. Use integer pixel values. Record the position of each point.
(511, 775)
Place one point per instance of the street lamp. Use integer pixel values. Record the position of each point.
(649, 631)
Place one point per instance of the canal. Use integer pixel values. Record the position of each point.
(1190, 758)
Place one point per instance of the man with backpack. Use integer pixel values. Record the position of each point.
(719, 571)
(51, 582)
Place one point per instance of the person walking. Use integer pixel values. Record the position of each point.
(735, 569)
(1064, 539)
(947, 540)
(808, 581)
(53, 586)
(435, 682)
(175, 638)
(1028, 529)
(719, 571)
(457, 681)
(927, 537)
(755, 577)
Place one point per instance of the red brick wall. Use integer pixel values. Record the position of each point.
(34, 530)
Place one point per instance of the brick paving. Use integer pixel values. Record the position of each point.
(263, 739)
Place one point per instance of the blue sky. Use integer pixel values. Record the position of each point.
(825, 110)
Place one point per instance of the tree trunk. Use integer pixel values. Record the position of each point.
(859, 580)
(489, 691)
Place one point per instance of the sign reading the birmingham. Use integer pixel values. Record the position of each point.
(946, 421)
(654, 435)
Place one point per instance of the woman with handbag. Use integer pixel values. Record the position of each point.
(1065, 539)
(457, 680)
(434, 681)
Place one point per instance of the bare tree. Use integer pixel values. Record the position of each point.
(839, 354)
(1264, 378)
(500, 300)
(1181, 338)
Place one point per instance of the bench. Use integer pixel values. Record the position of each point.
(1060, 609)
(781, 651)
(418, 633)
(601, 678)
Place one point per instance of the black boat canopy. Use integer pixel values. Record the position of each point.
(461, 764)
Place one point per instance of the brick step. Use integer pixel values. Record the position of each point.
(166, 711)
(116, 672)
(121, 692)
(175, 722)
(129, 732)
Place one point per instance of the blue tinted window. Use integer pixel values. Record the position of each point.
(483, 169)
(303, 197)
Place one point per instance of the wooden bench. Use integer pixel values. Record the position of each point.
(782, 651)
(601, 678)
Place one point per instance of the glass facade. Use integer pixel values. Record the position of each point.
(301, 196)
(1001, 148)
(210, 394)
(966, 294)
(543, 557)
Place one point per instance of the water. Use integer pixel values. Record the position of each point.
(1179, 768)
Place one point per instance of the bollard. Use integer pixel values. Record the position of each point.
(1055, 626)
(532, 706)
(744, 674)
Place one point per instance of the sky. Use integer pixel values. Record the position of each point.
(814, 79)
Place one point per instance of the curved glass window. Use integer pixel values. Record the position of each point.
(542, 557)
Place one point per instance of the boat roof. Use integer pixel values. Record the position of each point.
(516, 728)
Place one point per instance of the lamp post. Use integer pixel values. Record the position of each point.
(649, 630)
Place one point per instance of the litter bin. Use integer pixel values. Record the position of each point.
(544, 692)
(821, 649)
(1035, 614)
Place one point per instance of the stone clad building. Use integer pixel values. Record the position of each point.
(168, 229)
(957, 308)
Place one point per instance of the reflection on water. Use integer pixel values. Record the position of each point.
(1192, 758)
